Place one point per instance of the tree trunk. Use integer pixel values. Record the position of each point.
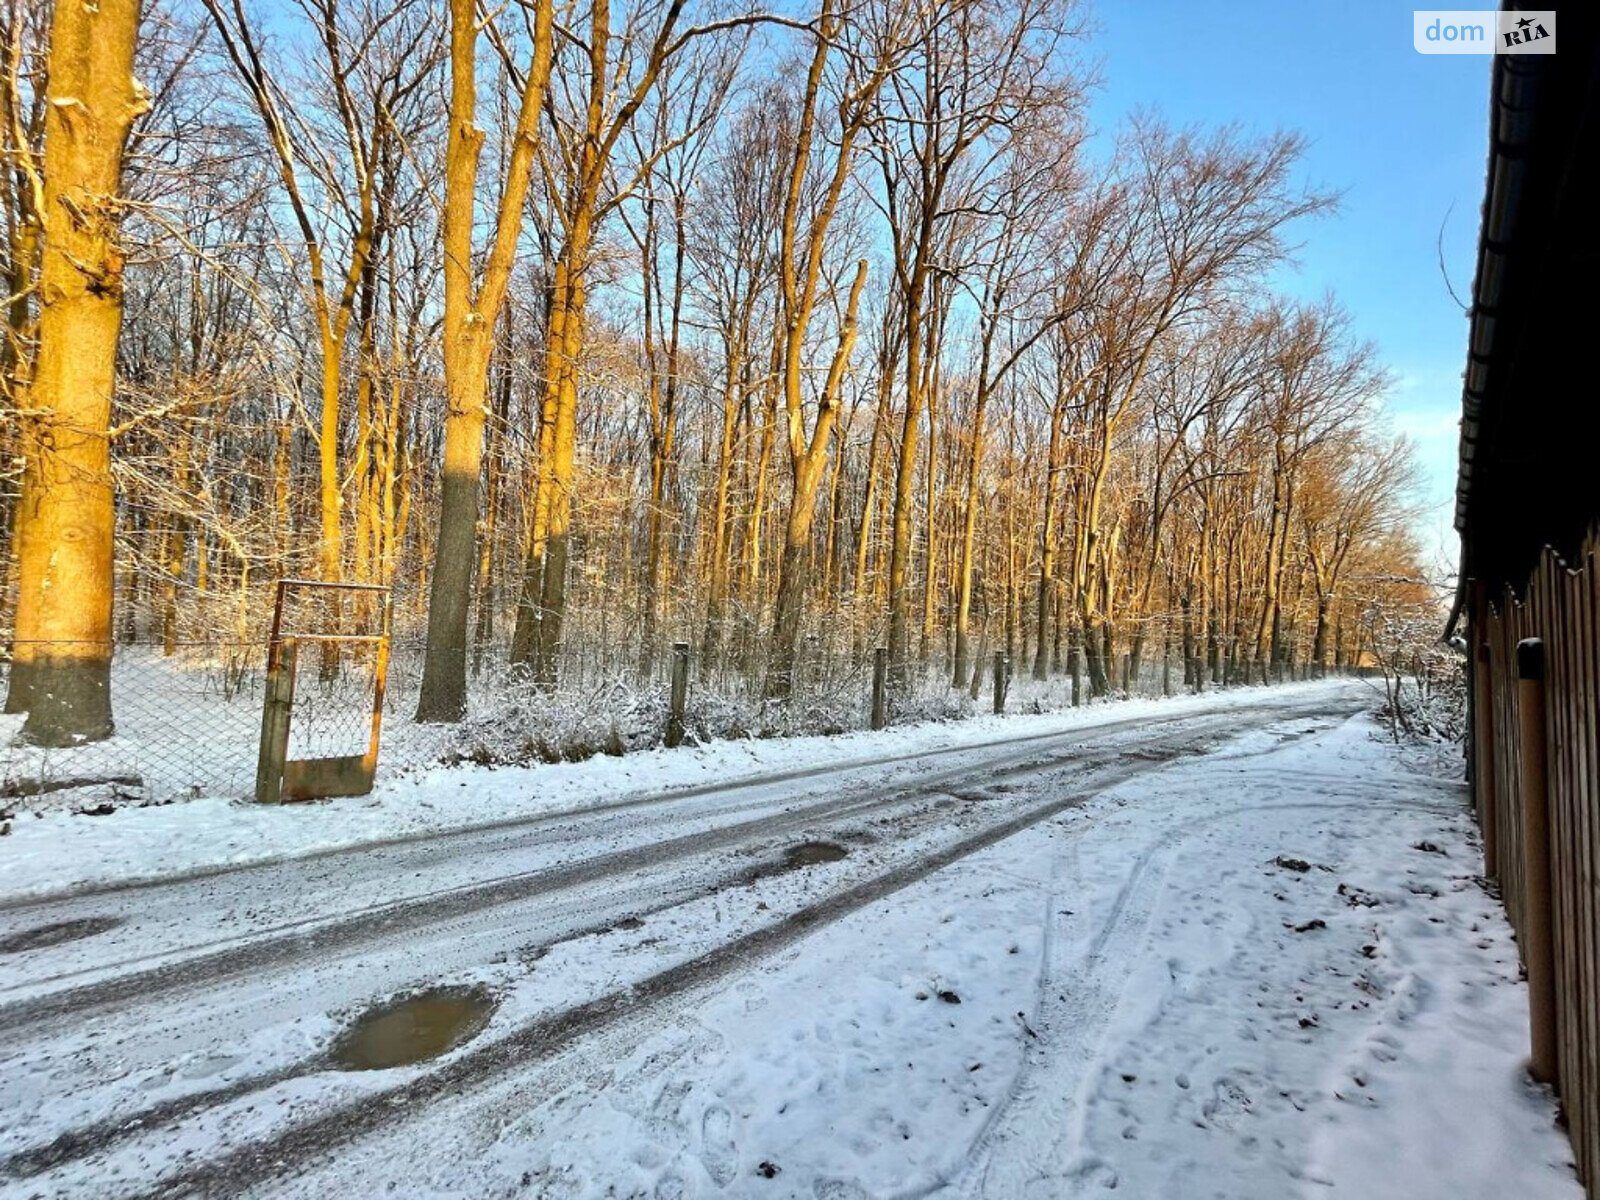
(565, 352)
(755, 522)
(468, 321)
(663, 428)
(870, 493)
(1047, 541)
(483, 629)
(525, 634)
(177, 537)
(717, 589)
(904, 486)
(794, 573)
(807, 459)
(61, 670)
(444, 678)
(328, 548)
(968, 532)
(930, 547)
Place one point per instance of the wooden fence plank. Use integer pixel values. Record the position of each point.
(1560, 604)
(1574, 993)
(1563, 859)
(1578, 997)
(1584, 797)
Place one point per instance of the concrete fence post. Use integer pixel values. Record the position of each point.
(276, 706)
(679, 701)
(880, 687)
(1536, 936)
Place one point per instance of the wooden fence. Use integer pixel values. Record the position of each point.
(1526, 728)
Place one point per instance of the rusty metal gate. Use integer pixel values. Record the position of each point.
(326, 710)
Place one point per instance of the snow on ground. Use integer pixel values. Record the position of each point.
(1263, 968)
(58, 851)
(1270, 971)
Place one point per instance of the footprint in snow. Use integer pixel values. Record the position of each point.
(717, 1149)
(665, 1118)
(1227, 1102)
(839, 1189)
(1090, 1173)
(670, 1099)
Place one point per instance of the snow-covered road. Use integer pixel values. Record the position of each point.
(1084, 958)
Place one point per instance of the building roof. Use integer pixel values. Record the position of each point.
(1530, 425)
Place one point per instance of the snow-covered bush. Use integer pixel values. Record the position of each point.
(519, 723)
(513, 721)
(1424, 679)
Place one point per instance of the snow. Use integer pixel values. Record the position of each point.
(1149, 1003)
(1288, 1032)
(1264, 970)
(56, 851)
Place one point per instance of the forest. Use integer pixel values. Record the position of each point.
(587, 327)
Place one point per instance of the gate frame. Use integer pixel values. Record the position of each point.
(279, 778)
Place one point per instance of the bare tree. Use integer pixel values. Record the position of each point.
(339, 215)
(61, 672)
(472, 302)
(870, 57)
(976, 69)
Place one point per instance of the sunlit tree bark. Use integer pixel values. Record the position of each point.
(61, 671)
(472, 303)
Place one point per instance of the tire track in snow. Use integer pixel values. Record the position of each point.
(1006, 1160)
(319, 937)
(447, 841)
(312, 938)
(1070, 1023)
(125, 1123)
(550, 1035)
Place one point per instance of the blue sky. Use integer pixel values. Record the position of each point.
(1402, 136)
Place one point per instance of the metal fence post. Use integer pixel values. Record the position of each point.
(680, 693)
(275, 709)
(1536, 939)
(999, 681)
(880, 687)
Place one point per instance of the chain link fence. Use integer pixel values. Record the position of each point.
(188, 723)
(187, 717)
(187, 714)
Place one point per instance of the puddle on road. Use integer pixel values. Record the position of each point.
(795, 858)
(414, 1028)
(54, 935)
(809, 854)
